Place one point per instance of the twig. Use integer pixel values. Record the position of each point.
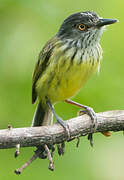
(9, 127)
(17, 152)
(59, 149)
(55, 134)
(51, 166)
(90, 138)
(52, 151)
(78, 142)
(19, 170)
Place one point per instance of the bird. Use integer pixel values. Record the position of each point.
(65, 64)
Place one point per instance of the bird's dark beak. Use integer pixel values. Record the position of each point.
(104, 22)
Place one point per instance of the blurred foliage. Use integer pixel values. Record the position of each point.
(24, 28)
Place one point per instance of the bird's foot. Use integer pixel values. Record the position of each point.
(89, 111)
(64, 125)
(92, 114)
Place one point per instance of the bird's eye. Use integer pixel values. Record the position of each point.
(82, 27)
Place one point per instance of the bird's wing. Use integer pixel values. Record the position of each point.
(43, 61)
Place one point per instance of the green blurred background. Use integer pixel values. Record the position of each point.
(25, 25)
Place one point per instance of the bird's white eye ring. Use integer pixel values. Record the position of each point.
(82, 27)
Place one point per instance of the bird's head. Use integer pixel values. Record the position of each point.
(84, 26)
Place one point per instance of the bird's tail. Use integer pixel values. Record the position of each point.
(42, 117)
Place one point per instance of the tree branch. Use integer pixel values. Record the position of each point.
(55, 134)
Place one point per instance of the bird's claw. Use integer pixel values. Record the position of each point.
(93, 127)
(89, 111)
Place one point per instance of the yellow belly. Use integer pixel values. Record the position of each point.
(71, 82)
(61, 82)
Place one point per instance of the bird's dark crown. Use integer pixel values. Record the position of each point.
(89, 18)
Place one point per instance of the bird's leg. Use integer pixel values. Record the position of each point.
(88, 110)
(60, 121)
(91, 113)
